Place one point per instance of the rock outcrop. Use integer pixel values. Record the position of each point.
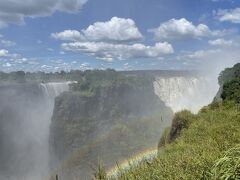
(110, 125)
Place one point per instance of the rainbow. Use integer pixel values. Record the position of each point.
(124, 165)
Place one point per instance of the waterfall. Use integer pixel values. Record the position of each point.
(189, 93)
(53, 89)
(50, 90)
(25, 117)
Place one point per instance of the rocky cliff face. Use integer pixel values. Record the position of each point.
(111, 125)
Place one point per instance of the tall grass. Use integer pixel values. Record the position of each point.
(197, 152)
(227, 167)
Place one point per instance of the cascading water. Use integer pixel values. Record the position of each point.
(25, 117)
(185, 92)
(51, 91)
(54, 89)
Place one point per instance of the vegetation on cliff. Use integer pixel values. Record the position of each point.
(194, 153)
(108, 116)
(201, 146)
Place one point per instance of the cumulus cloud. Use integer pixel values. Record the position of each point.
(220, 42)
(110, 40)
(182, 29)
(15, 11)
(231, 15)
(116, 29)
(68, 35)
(109, 52)
(3, 53)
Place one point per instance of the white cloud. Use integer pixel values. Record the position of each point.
(109, 52)
(202, 54)
(220, 42)
(7, 43)
(116, 29)
(85, 66)
(7, 57)
(231, 15)
(7, 65)
(50, 49)
(3, 53)
(15, 11)
(68, 35)
(110, 40)
(182, 29)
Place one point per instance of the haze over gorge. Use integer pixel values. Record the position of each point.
(87, 86)
(56, 122)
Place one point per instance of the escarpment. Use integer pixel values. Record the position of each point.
(111, 124)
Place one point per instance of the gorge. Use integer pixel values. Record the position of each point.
(63, 125)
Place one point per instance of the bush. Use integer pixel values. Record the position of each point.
(231, 90)
(165, 138)
(181, 120)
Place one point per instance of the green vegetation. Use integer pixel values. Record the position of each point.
(194, 153)
(229, 74)
(231, 90)
(202, 146)
(181, 120)
(93, 81)
(227, 167)
(229, 81)
(107, 115)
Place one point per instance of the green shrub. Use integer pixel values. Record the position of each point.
(231, 90)
(181, 120)
(165, 138)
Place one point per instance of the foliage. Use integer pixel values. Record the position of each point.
(228, 74)
(229, 84)
(199, 141)
(211, 132)
(227, 167)
(181, 120)
(231, 90)
(93, 81)
(100, 172)
(165, 138)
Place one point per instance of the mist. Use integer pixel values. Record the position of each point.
(25, 117)
(39, 124)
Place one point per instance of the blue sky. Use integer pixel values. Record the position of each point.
(54, 35)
